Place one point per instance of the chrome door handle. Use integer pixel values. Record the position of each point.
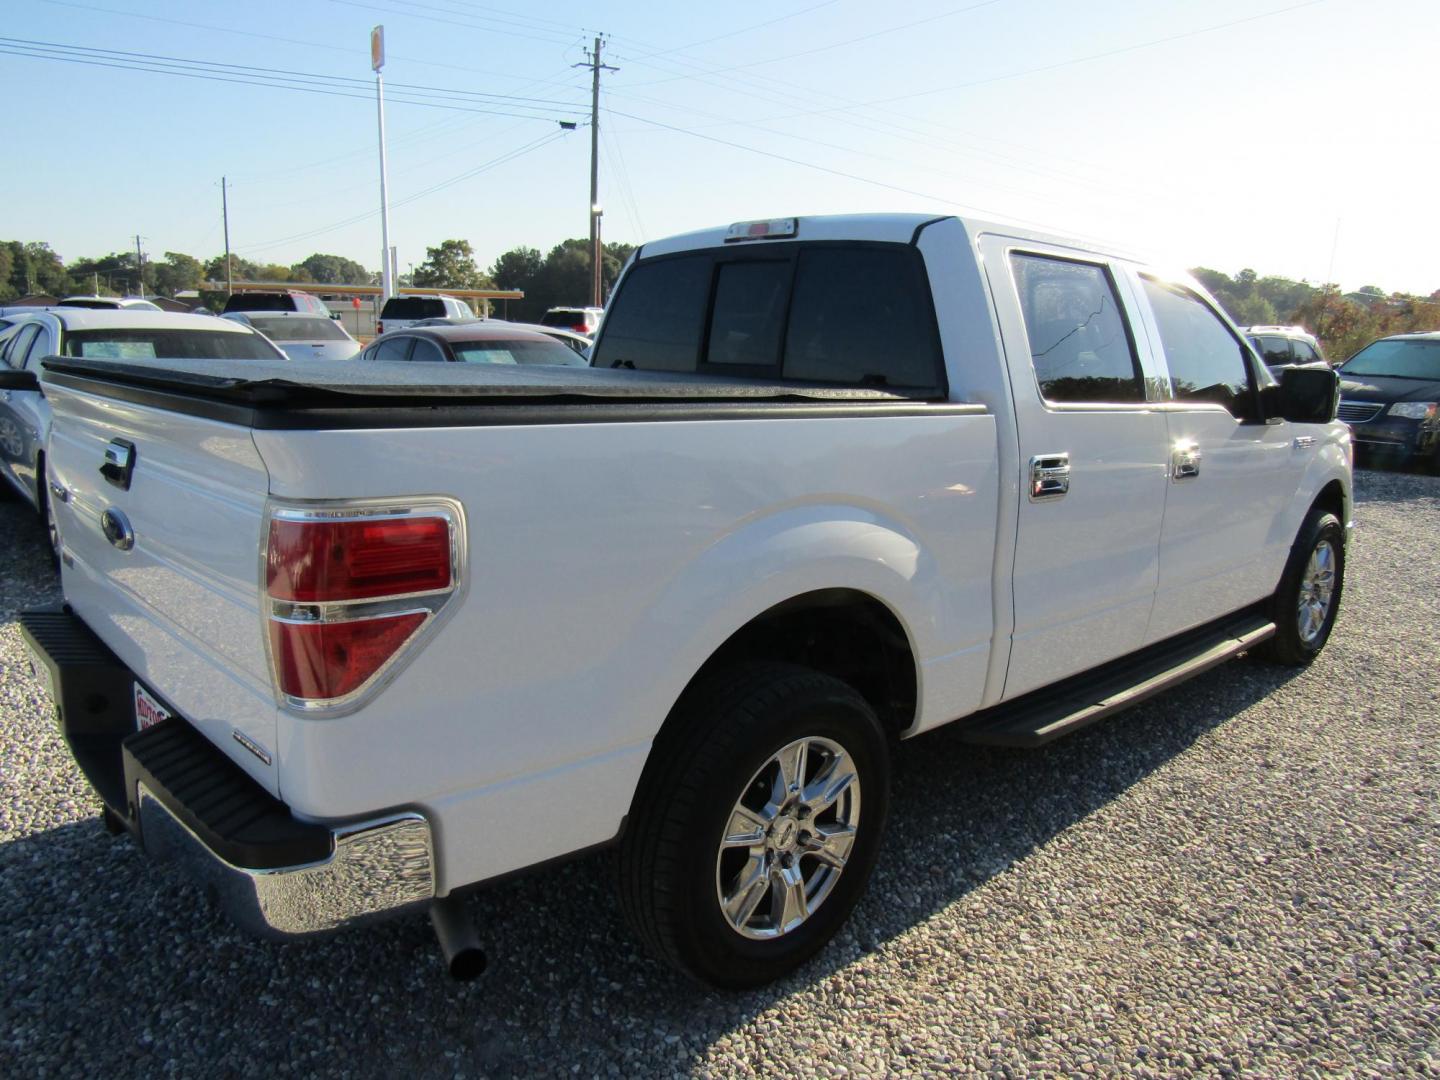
(1049, 476)
(1185, 460)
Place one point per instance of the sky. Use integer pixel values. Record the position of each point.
(1294, 137)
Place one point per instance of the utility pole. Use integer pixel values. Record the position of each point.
(595, 66)
(140, 265)
(377, 61)
(225, 216)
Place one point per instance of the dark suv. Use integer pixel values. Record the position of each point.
(1390, 397)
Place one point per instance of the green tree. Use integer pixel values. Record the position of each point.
(331, 270)
(450, 266)
(177, 273)
(240, 269)
(34, 268)
(7, 268)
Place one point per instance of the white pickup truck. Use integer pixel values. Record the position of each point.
(354, 639)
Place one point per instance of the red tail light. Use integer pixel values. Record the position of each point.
(350, 590)
(379, 328)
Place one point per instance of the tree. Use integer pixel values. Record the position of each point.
(450, 266)
(177, 273)
(34, 268)
(7, 268)
(331, 270)
(240, 269)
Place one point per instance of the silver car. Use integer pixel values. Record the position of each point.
(301, 335)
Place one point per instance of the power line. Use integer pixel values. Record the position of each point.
(96, 58)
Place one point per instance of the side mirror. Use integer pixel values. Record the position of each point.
(10, 379)
(1306, 395)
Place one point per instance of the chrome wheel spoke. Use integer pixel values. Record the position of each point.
(822, 792)
(788, 900)
(1317, 590)
(792, 762)
(750, 889)
(747, 828)
(831, 844)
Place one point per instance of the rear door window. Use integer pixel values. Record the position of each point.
(1079, 343)
(20, 345)
(395, 348)
(658, 316)
(1206, 361)
(1304, 354)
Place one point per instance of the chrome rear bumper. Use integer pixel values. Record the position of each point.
(375, 869)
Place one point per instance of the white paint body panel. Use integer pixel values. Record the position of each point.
(608, 561)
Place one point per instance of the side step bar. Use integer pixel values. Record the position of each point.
(1042, 715)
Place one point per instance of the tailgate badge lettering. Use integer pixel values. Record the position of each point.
(251, 745)
(119, 463)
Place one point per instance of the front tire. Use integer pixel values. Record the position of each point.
(756, 825)
(1305, 605)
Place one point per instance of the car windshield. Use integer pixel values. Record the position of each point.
(139, 344)
(278, 329)
(1401, 359)
(515, 351)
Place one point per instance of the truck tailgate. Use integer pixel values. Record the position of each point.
(180, 605)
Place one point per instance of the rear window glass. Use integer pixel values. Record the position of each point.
(833, 313)
(261, 301)
(563, 318)
(862, 315)
(413, 307)
(298, 329)
(95, 305)
(169, 345)
(656, 318)
(515, 352)
(749, 313)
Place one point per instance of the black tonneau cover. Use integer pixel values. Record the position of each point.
(284, 394)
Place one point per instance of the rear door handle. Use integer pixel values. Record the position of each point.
(1185, 460)
(1049, 476)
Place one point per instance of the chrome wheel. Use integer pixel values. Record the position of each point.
(788, 838)
(1317, 588)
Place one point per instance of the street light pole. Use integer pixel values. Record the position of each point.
(377, 61)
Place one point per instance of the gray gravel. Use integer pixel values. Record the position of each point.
(1241, 876)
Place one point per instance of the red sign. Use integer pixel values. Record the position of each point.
(355, 302)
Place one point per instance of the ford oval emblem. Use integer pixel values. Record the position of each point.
(116, 527)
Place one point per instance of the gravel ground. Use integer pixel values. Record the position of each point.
(1241, 876)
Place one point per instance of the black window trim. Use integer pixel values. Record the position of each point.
(1147, 384)
(789, 251)
(13, 352)
(1248, 355)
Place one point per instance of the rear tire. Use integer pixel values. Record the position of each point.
(756, 824)
(1305, 605)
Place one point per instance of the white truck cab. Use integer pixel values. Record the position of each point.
(366, 636)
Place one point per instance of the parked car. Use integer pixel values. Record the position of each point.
(479, 342)
(301, 335)
(581, 320)
(400, 312)
(1282, 346)
(281, 300)
(109, 303)
(1390, 397)
(130, 335)
(577, 343)
(832, 482)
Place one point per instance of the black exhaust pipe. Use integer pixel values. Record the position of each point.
(459, 941)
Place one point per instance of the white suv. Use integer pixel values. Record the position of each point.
(402, 311)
